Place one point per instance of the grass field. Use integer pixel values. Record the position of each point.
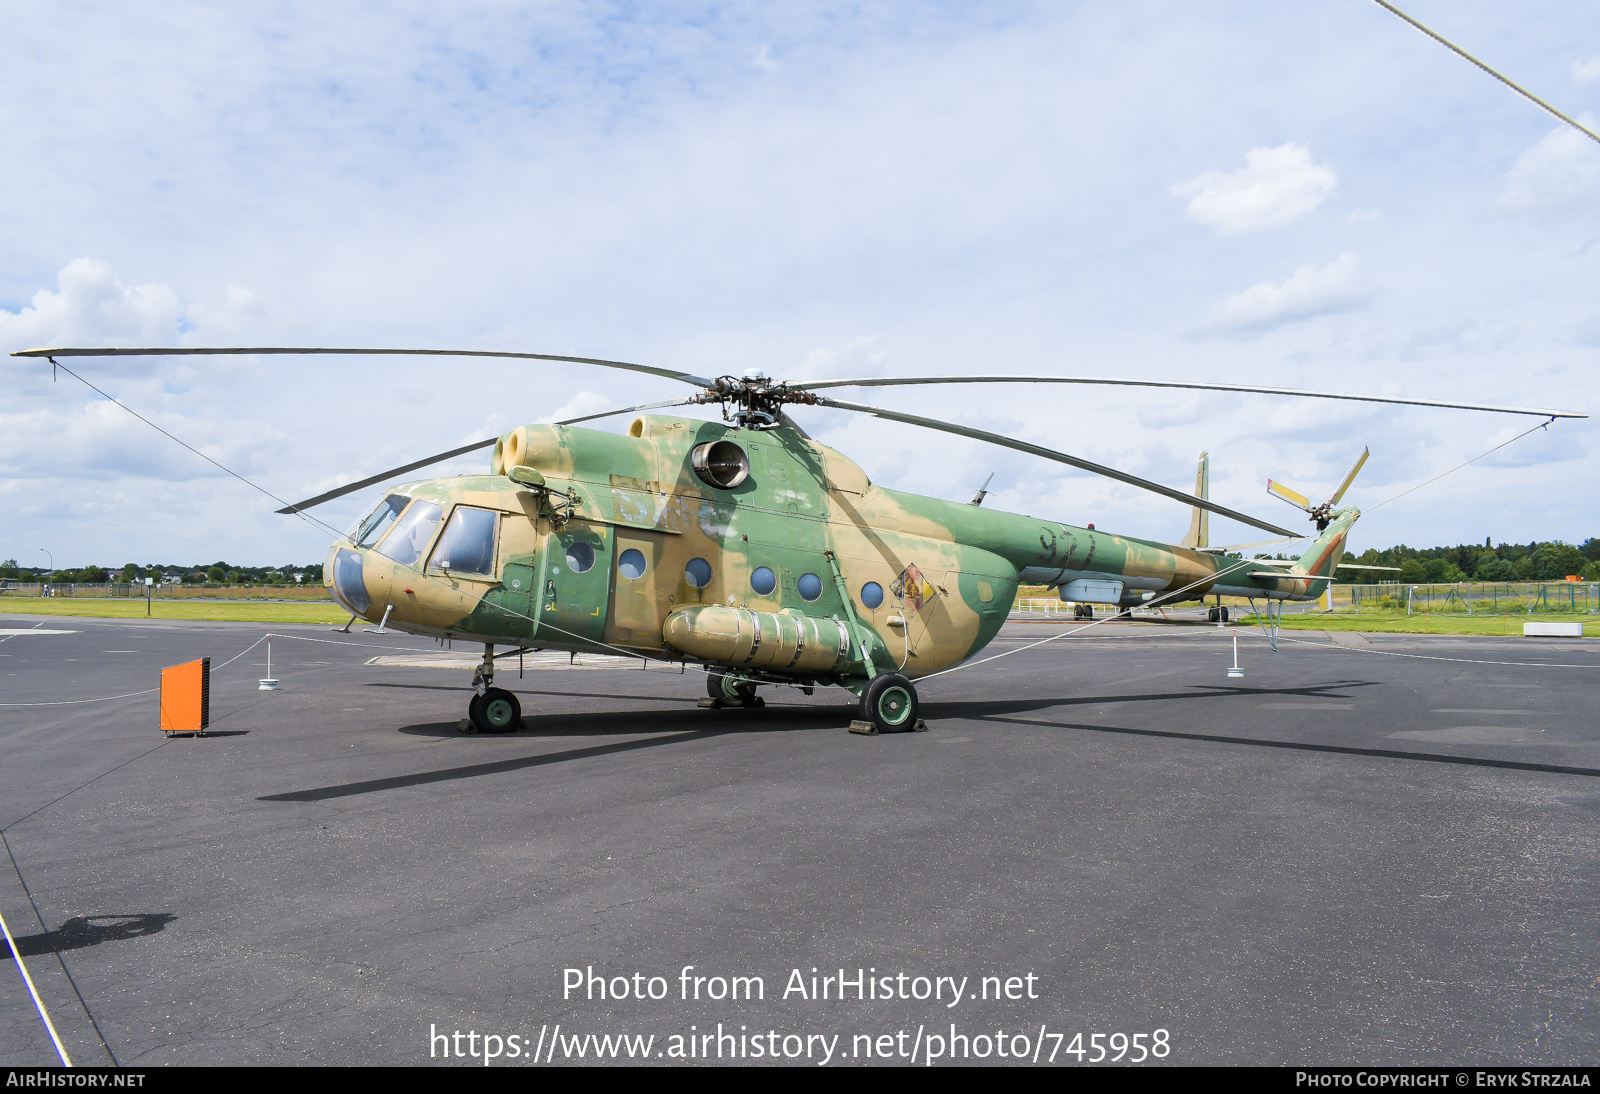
(266, 612)
(1418, 623)
(194, 610)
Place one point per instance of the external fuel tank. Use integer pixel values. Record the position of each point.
(769, 640)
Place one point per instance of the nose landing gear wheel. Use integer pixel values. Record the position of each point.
(890, 704)
(495, 711)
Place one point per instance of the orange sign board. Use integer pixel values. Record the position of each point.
(1574, 577)
(186, 697)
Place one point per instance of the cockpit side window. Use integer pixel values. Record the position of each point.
(467, 546)
(411, 533)
(375, 523)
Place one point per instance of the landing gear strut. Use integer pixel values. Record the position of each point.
(492, 709)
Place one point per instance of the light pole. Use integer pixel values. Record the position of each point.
(52, 559)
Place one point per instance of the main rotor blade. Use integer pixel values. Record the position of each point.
(384, 476)
(1059, 457)
(191, 351)
(1350, 478)
(898, 381)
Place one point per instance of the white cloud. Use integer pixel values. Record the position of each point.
(980, 190)
(91, 305)
(584, 402)
(1275, 186)
(856, 358)
(1311, 290)
(1584, 72)
(1562, 167)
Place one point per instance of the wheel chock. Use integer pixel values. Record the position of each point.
(711, 703)
(869, 729)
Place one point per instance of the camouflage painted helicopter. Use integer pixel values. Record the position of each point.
(746, 547)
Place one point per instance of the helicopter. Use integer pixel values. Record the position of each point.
(746, 547)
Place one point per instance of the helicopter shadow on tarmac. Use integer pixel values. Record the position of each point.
(688, 701)
(612, 723)
(988, 708)
(679, 726)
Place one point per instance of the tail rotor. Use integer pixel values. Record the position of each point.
(1321, 514)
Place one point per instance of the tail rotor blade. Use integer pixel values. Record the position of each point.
(1293, 497)
(1350, 478)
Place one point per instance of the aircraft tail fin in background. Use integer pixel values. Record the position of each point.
(1199, 534)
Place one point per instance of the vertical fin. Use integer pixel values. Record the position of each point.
(1326, 551)
(1199, 534)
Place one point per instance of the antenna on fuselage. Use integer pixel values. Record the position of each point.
(983, 491)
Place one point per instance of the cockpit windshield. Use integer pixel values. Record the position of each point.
(467, 545)
(375, 523)
(411, 533)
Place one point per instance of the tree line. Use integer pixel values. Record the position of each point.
(218, 573)
(1550, 560)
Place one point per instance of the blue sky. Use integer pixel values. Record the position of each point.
(1300, 195)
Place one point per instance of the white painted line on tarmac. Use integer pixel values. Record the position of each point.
(44, 1013)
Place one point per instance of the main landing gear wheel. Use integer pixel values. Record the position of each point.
(890, 704)
(495, 711)
(1083, 611)
(732, 691)
(1216, 615)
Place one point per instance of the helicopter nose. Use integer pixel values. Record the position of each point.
(348, 587)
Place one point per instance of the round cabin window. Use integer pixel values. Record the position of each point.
(810, 586)
(697, 573)
(580, 556)
(872, 595)
(763, 580)
(630, 564)
(722, 464)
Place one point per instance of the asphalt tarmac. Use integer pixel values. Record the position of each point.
(1379, 854)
